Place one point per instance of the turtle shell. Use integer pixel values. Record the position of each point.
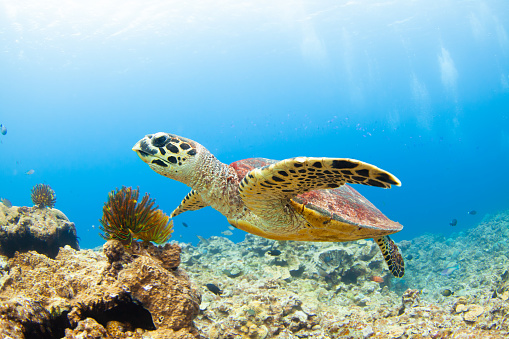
(351, 212)
(242, 167)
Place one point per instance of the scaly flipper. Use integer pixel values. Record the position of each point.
(302, 174)
(267, 191)
(391, 255)
(191, 202)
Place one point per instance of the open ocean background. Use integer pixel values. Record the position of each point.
(419, 88)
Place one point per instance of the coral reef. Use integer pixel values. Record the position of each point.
(88, 294)
(43, 196)
(124, 218)
(269, 289)
(326, 290)
(480, 255)
(42, 230)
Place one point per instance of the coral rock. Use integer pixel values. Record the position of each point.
(334, 297)
(77, 295)
(172, 304)
(411, 298)
(44, 230)
(461, 308)
(504, 296)
(474, 311)
(22, 317)
(87, 329)
(113, 250)
(168, 256)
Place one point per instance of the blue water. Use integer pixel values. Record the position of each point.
(418, 88)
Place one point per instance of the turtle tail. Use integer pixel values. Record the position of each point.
(391, 255)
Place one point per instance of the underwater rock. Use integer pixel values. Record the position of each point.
(22, 317)
(168, 255)
(279, 296)
(168, 296)
(87, 329)
(232, 270)
(310, 290)
(114, 250)
(472, 312)
(43, 230)
(79, 295)
(332, 294)
(278, 273)
(411, 298)
(335, 257)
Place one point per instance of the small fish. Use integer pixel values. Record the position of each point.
(377, 279)
(231, 228)
(184, 224)
(227, 232)
(214, 289)
(274, 253)
(409, 257)
(6, 202)
(449, 270)
(3, 129)
(472, 212)
(454, 222)
(30, 172)
(446, 292)
(202, 239)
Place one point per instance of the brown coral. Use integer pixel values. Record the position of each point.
(124, 218)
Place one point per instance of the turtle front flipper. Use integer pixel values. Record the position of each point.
(267, 191)
(294, 176)
(191, 202)
(391, 255)
(288, 178)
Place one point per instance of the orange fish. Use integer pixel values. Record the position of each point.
(377, 279)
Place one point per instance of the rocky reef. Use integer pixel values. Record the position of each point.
(90, 294)
(454, 286)
(44, 230)
(344, 290)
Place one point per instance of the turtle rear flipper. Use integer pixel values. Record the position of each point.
(391, 255)
(191, 202)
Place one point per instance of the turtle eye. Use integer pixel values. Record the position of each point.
(159, 141)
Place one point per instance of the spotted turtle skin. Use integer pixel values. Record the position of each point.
(302, 198)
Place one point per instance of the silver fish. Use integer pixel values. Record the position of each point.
(6, 202)
(30, 172)
(227, 232)
(202, 239)
(3, 129)
(449, 270)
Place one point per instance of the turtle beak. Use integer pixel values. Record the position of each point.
(143, 149)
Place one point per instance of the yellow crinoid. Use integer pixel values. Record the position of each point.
(124, 218)
(43, 196)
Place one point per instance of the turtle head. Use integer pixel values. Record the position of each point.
(170, 155)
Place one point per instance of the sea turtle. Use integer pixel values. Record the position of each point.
(302, 198)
